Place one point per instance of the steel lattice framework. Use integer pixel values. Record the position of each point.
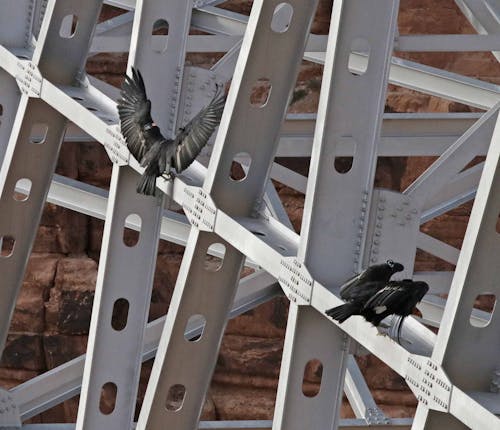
(347, 223)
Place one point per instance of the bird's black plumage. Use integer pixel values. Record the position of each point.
(358, 290)
(145, 141)
(376, 273)
(396, 298)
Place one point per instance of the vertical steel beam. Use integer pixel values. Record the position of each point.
(125, 277)
(32, 154)
(334, 228)
(469, 351)
(15, 32)
(183, 368)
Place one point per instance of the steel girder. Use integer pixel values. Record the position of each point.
(328, 233)
(271, 245)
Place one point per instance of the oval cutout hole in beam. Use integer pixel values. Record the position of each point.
(282, 18)
(7, 244)
(68, 27)
(160, 29)
(313, 374)
(343, 165)
(192, 324)
(175, 398)
(260, 93)
(107, 402)
(119, 317)
(359, 57)
(38, 133)
(240, 166)
(131, 236)
(482, 310)
(214, 257)
(22, 190)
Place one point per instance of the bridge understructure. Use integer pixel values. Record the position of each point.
(348, 224)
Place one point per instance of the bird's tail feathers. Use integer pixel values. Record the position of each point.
(343, 312)
(147, 184)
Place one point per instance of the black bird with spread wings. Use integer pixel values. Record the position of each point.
(145, 141)
(358, 290)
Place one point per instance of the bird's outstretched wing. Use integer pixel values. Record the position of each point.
(197, 132)
(134, 110)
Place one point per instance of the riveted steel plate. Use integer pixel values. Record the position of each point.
(9, 412)
(200, 209)
(29, 78)
(115, 146)
(429, 383)
(296, 281)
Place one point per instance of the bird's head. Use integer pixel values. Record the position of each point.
(394, 266)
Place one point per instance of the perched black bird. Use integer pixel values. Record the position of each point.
(149, 146)
(396, 298)
(376, 273)
(358, 290)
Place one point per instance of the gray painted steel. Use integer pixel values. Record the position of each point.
(33, 159)
(126, 272)
(333, 200)
(210, 294)
(468, 349)
(251, 224)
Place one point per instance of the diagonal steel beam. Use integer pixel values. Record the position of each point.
(43, 392)
(484, 15)
(454, 159)
(31, 159)
(430, 80)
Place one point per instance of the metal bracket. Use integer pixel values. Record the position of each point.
(429, 383)
(391, 212)
(115, 146)
(10, 417)
(375, 416)
(296, 281)
(29, 79)
(200, 209)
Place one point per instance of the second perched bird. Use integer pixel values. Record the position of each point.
(376, 273)
(145, 141)
(358, 290)
(396, 298)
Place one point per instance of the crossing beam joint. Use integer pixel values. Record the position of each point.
(199, 208)
(29, 79)
(115, 146)
(10, 417)
(296, 281)
(429, 383)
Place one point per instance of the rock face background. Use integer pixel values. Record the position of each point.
(51, 321)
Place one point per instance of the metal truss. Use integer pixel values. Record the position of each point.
(347, 223)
